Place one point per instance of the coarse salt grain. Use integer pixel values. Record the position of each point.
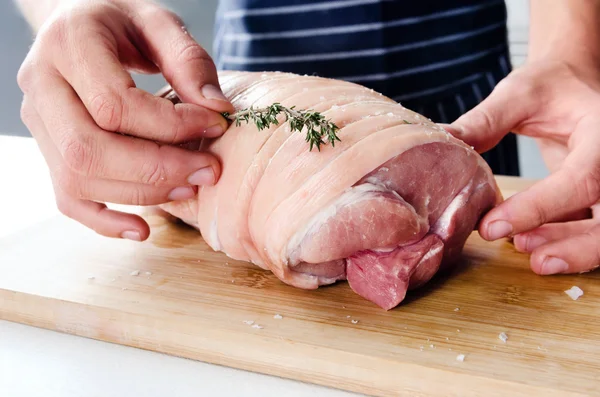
(457, 309)
(574, 292)
(354, 321)
(257, 326)
(248, 322)
(503, 337)
(135, 273)
(277, 316)
(460, 357)
(148, 273)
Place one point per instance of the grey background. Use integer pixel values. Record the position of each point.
(16, 37)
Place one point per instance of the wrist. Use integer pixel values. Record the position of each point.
(568, 32)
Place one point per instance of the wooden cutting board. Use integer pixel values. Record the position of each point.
(189, 301)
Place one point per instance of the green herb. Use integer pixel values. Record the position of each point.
(317, 127)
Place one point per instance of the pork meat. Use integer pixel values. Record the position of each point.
(384, 208)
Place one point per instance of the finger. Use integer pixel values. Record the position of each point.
(89, 151)
(574, 254)
(101, 219)
(185, 64)
(486, 124)
(131, 50)
(110, 96)
(93, 215)
(529, 241)
(574, 186)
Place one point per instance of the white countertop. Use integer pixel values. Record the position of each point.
(35, 362)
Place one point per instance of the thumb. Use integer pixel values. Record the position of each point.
(187, 67)
(486, 124)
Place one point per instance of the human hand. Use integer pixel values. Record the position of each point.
(557, 104)
(104, 139)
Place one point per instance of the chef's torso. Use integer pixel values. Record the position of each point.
(438, 57)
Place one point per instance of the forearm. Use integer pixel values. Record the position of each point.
(566, 30)
(36, 11)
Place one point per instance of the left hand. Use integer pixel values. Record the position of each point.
(557, 104)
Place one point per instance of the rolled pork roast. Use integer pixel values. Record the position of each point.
(385, 208)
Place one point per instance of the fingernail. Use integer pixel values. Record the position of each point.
(215, 130)
(131, 235)
(204, 176)
(499, 229)
(182, 193)
(552, 265)
(210, 91)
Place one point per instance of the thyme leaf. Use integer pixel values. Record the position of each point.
(319, 131)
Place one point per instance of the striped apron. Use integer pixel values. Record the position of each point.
(439, 58)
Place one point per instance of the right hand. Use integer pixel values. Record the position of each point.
(104, 139)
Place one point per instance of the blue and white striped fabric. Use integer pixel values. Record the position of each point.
(437, 57)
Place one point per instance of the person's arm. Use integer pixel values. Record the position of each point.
(36, 11)
(105, 139)
(554, 97)
(566, 30)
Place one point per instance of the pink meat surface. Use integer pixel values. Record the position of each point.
(385, 208)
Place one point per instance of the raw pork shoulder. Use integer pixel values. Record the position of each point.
(384, 209)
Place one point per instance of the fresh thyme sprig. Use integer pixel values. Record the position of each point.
(317, 127)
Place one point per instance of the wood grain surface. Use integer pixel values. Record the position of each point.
(191, 302)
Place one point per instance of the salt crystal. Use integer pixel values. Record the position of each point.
(277, 316)
(574, 292)
(354, 321)
(390, 114)
(347, 316)
(124, 288)
(460, 357)
(432, 346)
(503, 337)
(248, 322)
(148, 273)
(321, 98)
(91, 277)
(457, 309)
(135, 273)
(257, 326)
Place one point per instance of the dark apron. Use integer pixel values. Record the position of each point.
(437, 57)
